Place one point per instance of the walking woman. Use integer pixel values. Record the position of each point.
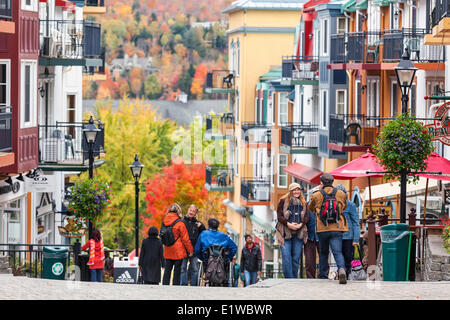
(292, 231)
(96, 256)
(151, 257)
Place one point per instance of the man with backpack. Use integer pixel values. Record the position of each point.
(328, 204)
(215, 249)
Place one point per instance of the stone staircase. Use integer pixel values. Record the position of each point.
(4, 265)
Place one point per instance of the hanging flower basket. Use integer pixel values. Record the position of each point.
(89, 201)
(403, 144)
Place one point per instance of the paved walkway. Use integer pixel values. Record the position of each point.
(270, 289)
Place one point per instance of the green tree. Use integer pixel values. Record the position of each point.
(152, 87)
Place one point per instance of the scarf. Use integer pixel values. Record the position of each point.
(92, 252)
(283, 232)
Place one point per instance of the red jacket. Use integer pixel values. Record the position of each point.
(98, 262)
(178, 250)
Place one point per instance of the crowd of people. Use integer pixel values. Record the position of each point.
(327, 221)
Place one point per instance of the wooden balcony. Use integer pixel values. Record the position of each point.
(219, 81)
(219, 178)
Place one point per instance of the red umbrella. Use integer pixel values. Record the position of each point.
(436, 163)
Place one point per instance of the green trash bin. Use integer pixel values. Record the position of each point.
(54, 262)
(394, 242)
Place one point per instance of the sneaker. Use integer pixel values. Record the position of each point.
(342, 277)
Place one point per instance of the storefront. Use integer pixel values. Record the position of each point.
(13, 210)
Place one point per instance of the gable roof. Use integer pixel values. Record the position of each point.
(265, 5)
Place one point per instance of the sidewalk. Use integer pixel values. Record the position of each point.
(271, 289)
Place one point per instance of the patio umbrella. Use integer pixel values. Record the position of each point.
(358, 168)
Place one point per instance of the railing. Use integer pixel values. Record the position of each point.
(97, 70)
(441, 10)
(300, 135)
(95, 3)
(6, 9)
(255, 189)
(5, 128)
(70, 39)
(345, 127)
(255, 132)
(64, 143)
(300, 68)
(219, 176)
(227, 118)
(220, 79)
(339, 52)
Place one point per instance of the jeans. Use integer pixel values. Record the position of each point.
(250, 277)
(348, 251)
(291, 253)
(192, 271)
(329, 239)
(235, 282)
(96, 275)
(176, 265)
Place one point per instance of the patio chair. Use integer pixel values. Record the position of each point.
(352, 130)
(228, 80)
(222, 178)
(298, 137)
(373, 49)
(413, 45)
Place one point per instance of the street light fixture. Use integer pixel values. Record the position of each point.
(405, 71)
(136, 170)
(90, 132)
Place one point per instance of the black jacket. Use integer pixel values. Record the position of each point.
(251, 261)
(193, 230)
(151, 259)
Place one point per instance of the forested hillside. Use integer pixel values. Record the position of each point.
(173, 49)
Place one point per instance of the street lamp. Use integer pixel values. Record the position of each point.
(405, 72)
(136, 170)
(90, 132)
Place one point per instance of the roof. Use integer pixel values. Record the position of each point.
(274, 73)
(265, 5)
(304, 173)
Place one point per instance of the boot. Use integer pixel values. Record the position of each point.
(342, 276)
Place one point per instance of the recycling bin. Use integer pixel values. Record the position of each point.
(54, 262)
(395, 245)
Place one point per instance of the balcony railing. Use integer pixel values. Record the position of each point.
(5, 128)
(64, 143)
(440, 10)
(255, 132)
(255, 190)
(227, 118)
(300, 68)
(6, 9)
(300, 135)
(70, 39)
(99, 69)
(352, 129)
(95, 3)
(219, 178)
(220, 80)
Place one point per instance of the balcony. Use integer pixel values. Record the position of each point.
(5, 128)
(299, 138)
(226, 124)
(96, 73)
(70, 43)
(62, 147)
(220, 81)
(302, 70)
(257, 134)
(93, 7)
(6, 23)
(350, 132)
(255, 191)
(219, 178)
(439, 21)
(356, 47)
(214, 129)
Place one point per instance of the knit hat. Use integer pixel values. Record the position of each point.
(294, 186)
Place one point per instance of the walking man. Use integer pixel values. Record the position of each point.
(251, 261)
(329, 203)
(194, 228)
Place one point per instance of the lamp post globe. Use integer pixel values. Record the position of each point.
(405, 72)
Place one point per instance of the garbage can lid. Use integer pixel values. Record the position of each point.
(396, 227)
(55, 249)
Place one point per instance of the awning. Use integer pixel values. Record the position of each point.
(304, 173)
(393, 188)
(361, 5)
(348, 6)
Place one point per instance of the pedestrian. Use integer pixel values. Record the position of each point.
(330, 224)
(180, 249)
(96, 260)
(194, 228)
(236, 269)
(251, 261)
(291, 229)
(311, 247)
(151, 257)
(350, 239)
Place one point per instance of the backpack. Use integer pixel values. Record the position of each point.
(215, 267)
(329, 211)
(166, 234)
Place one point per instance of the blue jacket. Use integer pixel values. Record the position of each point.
(312, 235)
(353, 222)
(213, 237)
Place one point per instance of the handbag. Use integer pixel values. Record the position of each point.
(357, 272)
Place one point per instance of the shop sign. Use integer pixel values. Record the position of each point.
(447, 196)
(41, 183)
(377, 210)
(440, 129)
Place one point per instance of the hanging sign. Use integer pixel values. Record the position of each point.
(377, 210)
(440, 129)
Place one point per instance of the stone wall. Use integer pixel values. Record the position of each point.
(437, 260)
(4, 265)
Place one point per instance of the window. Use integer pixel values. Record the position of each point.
(301, 107)
(272, 174)
(283, 108)
(4, 83)
(325, 39)
(238, 57)
(341, 99)
(358, 97)
(395, 14)
(373, 104)
(282, 176)
(236, 162)
(237, 105)
(28, 93)
(324, 107)
(341, 25)
(373, 22)
(232, 56)
(394, 98)
(15, 222)
(30, 5)
(412, 100)
(270, 108)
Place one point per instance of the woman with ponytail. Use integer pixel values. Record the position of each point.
(96, 256)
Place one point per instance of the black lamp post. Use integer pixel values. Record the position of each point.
(136, 170)
(90, 132)
(405, 72)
